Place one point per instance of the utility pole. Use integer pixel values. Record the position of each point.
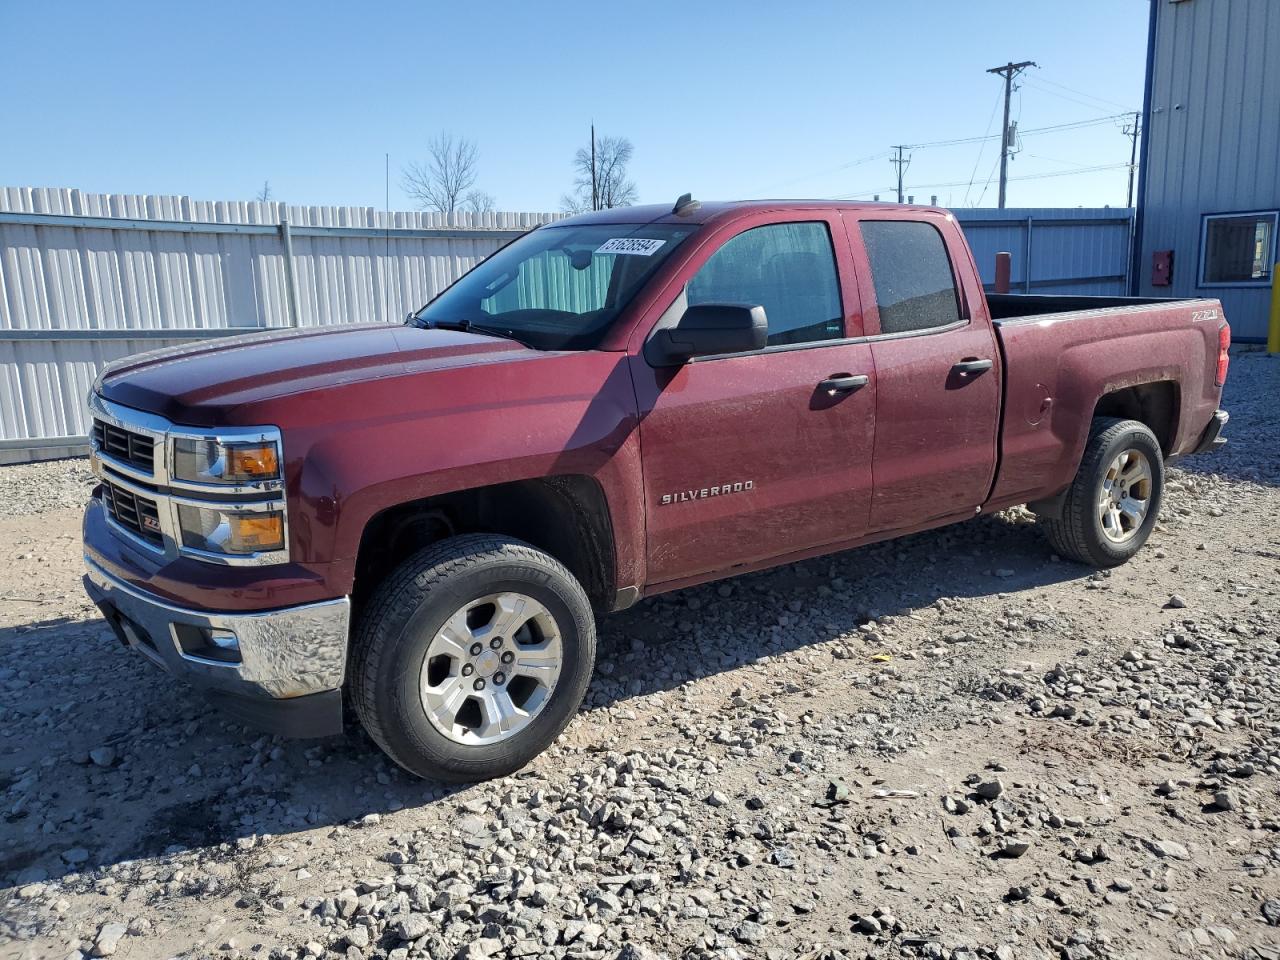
(595, 188)
(1008, 71)
(1133, 131)
(901, 163)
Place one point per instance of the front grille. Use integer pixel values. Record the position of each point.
(135, 513)
(135, 449)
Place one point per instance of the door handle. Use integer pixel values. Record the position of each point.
(843, 383)
(966, 367)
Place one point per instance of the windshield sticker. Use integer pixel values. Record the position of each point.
(637, 246)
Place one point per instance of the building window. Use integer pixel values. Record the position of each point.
(1238, 249)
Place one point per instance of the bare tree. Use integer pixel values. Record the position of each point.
(441, 183)
(264, 195)
(478, 201)
(601, 184)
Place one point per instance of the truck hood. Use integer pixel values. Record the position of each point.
(206, 383)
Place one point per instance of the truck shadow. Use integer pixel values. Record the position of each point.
(116, 763)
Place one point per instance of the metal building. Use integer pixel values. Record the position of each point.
(1208, 211)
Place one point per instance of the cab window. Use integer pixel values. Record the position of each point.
(911, 273)
(787, 268)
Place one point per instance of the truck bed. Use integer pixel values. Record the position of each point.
(1016, 306)
(1154, 358)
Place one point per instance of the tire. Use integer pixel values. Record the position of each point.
(426, 605)
(1081, 534)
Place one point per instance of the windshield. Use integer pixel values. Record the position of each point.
(557, 288)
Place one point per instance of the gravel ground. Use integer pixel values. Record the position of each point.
(950, 746)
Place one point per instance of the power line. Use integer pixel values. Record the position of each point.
(987, 186)
(1067, 97)
(960, 183)
(981, 150)
(1070, 125)
(1041, 78)
(809, 176)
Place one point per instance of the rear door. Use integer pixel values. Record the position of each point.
(757, 455)
(937, 370)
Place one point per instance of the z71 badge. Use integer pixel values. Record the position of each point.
(718, 491)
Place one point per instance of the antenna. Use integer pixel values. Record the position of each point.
(686, 204)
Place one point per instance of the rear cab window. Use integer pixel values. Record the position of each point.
(911, 272)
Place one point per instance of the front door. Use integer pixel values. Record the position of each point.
(758, 455)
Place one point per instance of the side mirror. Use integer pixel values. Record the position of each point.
(710, 329)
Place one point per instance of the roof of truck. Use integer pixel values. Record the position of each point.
(707, 209)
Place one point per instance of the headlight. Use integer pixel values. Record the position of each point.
(229, 531)
(210, 461)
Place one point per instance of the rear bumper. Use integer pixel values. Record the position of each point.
(1212, 437)
(279, 670)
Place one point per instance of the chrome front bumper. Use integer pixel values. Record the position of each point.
(296, 652)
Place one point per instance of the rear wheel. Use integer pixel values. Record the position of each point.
(472, 658)
(1114, 501)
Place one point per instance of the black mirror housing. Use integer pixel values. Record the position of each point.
(710, 329)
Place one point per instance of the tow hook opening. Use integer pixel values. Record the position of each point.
(207, 643)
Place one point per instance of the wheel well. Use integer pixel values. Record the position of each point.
(565, 516)
(1154, 404)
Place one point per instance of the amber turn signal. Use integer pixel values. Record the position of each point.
(256, 462)
(255, 532)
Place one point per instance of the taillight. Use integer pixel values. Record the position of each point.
(1224, 358)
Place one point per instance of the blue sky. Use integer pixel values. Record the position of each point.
(724, 99)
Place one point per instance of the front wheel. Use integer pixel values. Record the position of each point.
(472, 658)
(1114, 500)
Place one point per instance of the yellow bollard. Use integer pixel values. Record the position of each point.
(1273, 338)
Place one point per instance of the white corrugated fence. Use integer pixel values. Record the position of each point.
(88, 278)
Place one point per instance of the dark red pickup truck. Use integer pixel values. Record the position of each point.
(427, 518)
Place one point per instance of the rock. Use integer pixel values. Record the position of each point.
(415, 926)
(481, 949)
(716, 799)
(108, 938)
(1175, 603)
(1226, 799)
(989, 789)
(783, 857)
(868, 925)
(75, 856)
(1014, 846)
(1271, 912)
(636, 951)
(358, 936)
(103, 756)
(1169, 849)
(347, 902)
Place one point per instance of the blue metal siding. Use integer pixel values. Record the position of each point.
(1073, 250)
(1212, 140)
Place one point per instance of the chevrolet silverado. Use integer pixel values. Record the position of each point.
(423, 520)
